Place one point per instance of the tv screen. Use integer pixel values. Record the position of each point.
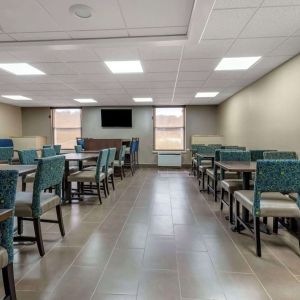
(116, 117)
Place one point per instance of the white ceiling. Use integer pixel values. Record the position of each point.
(179, 43)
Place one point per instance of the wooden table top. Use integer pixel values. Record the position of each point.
(237, 166)
(206, 155)
(80, 156)
(23, 169)
(5, 214)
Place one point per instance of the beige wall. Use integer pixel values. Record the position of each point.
(10, 121)
(36, 121)
(265, 115)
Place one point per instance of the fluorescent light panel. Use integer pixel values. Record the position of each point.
(236, 63)
(206, 94)
(142, 99)
(123, 67)
(21, 69)
(16, 97)
(87, 100)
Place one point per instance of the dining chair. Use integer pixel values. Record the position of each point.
(27, 157)
(272, 176)
(110, 168)
(31, 206)
(258, 154)
(280, 155)
(129, 158)
(57, 149)
(97, 176)
(8, 185)
(78, 148)
(48, 151)
(119, 164)
(6, 154)
(229, 186)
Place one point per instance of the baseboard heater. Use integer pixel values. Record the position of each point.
(169, 159)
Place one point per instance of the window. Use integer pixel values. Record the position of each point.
(169, 128)
(66, 126)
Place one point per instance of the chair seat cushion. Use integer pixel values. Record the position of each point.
(29, 178)
(24, 203)
(117, 163)
(85, 176)
(204, 167)
(293, 196)
(88, 163)
(232, 185)
(73, 169)
(110, 171)
(91, 168)
(3, 257)
(271, 204)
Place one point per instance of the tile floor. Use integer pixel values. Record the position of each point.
(155, 238)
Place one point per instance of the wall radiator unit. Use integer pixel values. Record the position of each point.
(169, 159)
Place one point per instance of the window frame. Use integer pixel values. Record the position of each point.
(184, 129)
(53, 120)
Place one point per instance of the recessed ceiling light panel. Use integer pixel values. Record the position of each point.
(142, 99)
(81, 11)
(15, 97)
(236, 63)
(206, 94)
(21, 69)
(86, 100)
(123, 67)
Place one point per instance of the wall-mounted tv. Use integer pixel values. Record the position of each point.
(116, 117)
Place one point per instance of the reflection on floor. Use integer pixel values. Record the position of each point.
(155, 238)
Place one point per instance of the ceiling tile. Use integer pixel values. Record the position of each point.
(54, 68)
(227, 23)
(290, 47)
(236, 3)
(193, 75)
(76, 55)
(208, 49)
(185, 84)
(281, 2)
(198, 64)
(123, 53)
(271, 62)
(92, 34)
(87, 67)
(39, 36)
(5, 38)
(160, 65)
(175, 30)
(155, 53)
(273, 21)
(140, 13)
(34, 55)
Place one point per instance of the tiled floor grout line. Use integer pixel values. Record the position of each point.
(115, 246)
(50, 250)
(240, 252)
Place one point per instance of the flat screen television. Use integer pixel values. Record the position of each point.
(116, 118)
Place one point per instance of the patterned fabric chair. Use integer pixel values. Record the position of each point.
(110, 168)
(48, 151)
(30, 206)
(57, 149)
(280, 155)
(229, 186)
(78, 148)
(202, 165)
(273, 176)
(119, 164)
(96, 176)
(6, 154)
(129, 157)
(234, 148)
(8, 185)
(27, 157)
(258, 154)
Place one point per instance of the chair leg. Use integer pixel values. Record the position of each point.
(106, 183)
(275, 225)
(112, 181)
(9, 282)
(222, 198)
(38, 235)
(99, 194)
(237, 215)
(20, 225)
(121, 173)
(60, 220)
(124, 174)
(231, 199)
(203, 178)
(207, 184)
(257, 236)
(265, 220)
(23, 186)
(104, 188)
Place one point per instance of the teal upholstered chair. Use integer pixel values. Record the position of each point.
(8, 185)
(258, 154)
(119, 164)
(130, 157)
(97, 175)
(30, 206)
(6, 154)
(57, 149)
(272, 176)
(280, 155)
(27, 157)
(48, 151)
(202, 165)
(229, 186)
(78, 148)
(110, 168)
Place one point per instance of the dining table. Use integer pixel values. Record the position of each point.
(5, 214)
(22, 169)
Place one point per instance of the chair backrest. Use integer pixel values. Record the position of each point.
(80, 142)
(28, 157)
(133, 145)
(258, 154)
(57, 149)
(122, 153)
(111, 157)
(47, 152)
(276, 176)
(101, 163)
(6, 154)
(204, 149)
(234, 147)
(6, 143)
(280, 155)
(78, 148)
(8, 186)
(215, 146)
(49, 173)
(235, 155)
(47, 146)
